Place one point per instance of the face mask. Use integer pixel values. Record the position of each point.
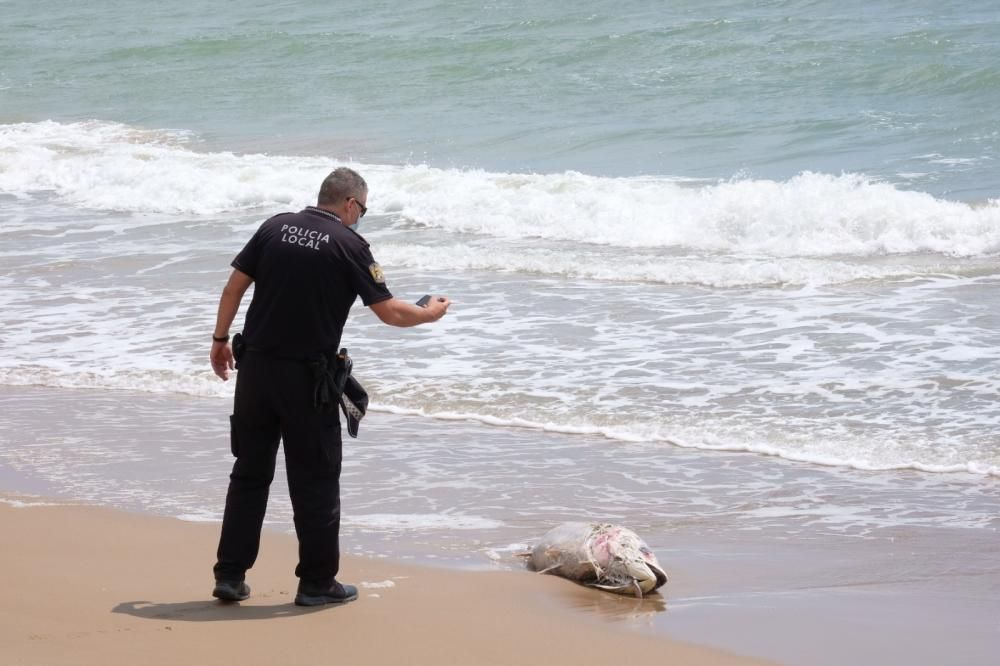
(356, 225)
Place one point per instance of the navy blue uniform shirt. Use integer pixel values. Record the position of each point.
(308, 268)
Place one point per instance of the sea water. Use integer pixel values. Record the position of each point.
(768, 228)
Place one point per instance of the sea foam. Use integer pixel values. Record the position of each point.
(114, 167)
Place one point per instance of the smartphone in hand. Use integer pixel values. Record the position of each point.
(424, 300)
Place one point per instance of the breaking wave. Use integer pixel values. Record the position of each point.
(114, 167)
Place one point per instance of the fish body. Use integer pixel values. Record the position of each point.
(602, 555)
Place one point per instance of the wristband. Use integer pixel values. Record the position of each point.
(221, 338)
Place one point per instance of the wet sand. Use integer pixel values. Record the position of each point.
(776, 560)
(88, 585)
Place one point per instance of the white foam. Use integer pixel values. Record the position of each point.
(202, 517)
(421, 521)
(811, 215)
(108, 166)
(712, 271)
(837, 456)
(198, 383)
(28, 503)
(843, 453)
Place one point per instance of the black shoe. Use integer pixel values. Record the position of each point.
(335, 594)
(231, 590)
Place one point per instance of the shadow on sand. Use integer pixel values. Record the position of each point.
(212, 611)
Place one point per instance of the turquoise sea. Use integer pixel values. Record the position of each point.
(902, 91)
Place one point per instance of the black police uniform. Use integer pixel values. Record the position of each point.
(308, 268)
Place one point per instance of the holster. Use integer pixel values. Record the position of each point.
(239, 348)
(333, 384)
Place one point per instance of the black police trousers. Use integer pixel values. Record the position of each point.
(274, 401)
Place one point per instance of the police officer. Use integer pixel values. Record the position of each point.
(308, 268)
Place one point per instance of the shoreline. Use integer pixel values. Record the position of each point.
(85, 582)
(782, 561)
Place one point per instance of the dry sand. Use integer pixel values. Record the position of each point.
(87, 585)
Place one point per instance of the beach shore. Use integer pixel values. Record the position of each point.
(769, 559)
(90, 585)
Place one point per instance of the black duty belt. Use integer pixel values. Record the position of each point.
(333, 383)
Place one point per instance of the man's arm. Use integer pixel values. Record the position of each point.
(400, 313)
(229, 304)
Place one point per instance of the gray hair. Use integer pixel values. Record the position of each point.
(342, 183)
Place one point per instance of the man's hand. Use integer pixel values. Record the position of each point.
(437, 307)
(222, 352)
(222, 359)
(400, 313)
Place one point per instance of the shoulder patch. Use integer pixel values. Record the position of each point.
(377, 273)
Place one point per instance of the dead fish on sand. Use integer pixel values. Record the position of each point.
(602, 555)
